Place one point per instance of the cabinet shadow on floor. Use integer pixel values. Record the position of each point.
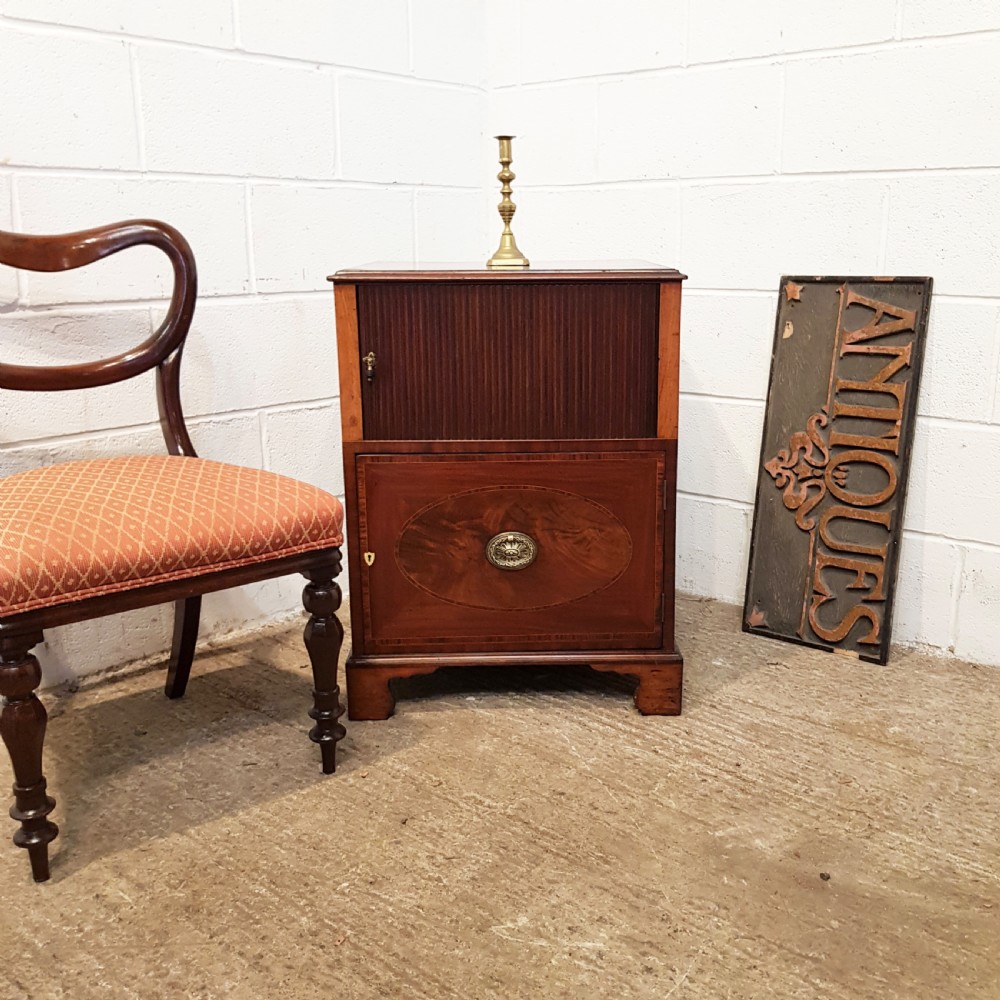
(473, 681)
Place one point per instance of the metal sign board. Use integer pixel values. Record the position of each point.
(832, 476)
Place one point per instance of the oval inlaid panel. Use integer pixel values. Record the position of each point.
(582, 548)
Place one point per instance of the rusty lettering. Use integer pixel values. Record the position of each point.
(837, 632)
(904, 319)
(837, 475)
(844, 472)
(880, 517)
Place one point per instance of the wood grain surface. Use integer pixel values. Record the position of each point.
(507, 360)
(348, 360)
(427, 520)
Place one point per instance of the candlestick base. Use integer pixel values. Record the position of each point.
(507, 254)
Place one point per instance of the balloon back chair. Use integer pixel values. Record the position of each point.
(88, 538)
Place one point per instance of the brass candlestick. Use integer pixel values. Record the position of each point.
(507, 254)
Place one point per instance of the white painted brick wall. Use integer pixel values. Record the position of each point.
(717, 455)
(929, 17)
(281, 331)
(8, 278)
(302, 234)
(549, 122)
(399, 131)
(205, 113)
(727, 345)
(285, 142)
(744, 235)
(81, 113)
(596, 222)
(721, 30)
(955, 478)
(779, 138)
(927, 591)
(449, 41)
(715, 566)
(959, 378)
(727, 114)
(59, 337)
(452, 224)
(977, 624)
(737, 142)
(826, 128)
(594, 38)
(373, 35)
(204, 22)
(944, 224)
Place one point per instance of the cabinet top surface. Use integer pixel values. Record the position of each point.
(573, 270)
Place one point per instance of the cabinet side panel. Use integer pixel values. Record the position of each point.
(669, 359)
(481, 360)
(669, 544)
(346, 310)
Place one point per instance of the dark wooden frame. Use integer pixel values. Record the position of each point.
(658, 672)
(23, 718)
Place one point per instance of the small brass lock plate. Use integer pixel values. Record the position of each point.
(369, 558)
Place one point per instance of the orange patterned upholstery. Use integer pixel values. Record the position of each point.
(80, 529)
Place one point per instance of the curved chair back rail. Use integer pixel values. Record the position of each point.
(162, 350)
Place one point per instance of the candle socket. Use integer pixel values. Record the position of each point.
(507, 254)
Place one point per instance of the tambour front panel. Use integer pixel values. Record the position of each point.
(508, 361)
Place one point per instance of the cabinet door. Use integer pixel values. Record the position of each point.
(511, 551)
(508, 361)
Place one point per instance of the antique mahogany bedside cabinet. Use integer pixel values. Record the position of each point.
(510, 451)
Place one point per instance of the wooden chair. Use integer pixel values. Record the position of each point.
(83, 539)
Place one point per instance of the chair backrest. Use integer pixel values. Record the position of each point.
(163, 349)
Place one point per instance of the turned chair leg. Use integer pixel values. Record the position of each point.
(324, 636)
(186, 615)
(22, 726)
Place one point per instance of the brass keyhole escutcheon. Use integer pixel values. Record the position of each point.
(369, 558)
(511, 550)
(369, 360)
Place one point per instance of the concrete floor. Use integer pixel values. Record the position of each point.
(810, 827)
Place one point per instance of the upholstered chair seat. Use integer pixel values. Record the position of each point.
(97, 537)
(83, 529)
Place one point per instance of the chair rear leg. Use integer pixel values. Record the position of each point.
(324, 636)
(22, 726)
(186, 616)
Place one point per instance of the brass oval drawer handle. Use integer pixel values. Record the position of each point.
(511, 550)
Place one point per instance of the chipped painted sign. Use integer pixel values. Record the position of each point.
(832, 474)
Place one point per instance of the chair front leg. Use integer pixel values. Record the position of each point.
(324, 636)
(22, 726)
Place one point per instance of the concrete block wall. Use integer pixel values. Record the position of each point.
(285, 141)
(740, 142)
(735, 141)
